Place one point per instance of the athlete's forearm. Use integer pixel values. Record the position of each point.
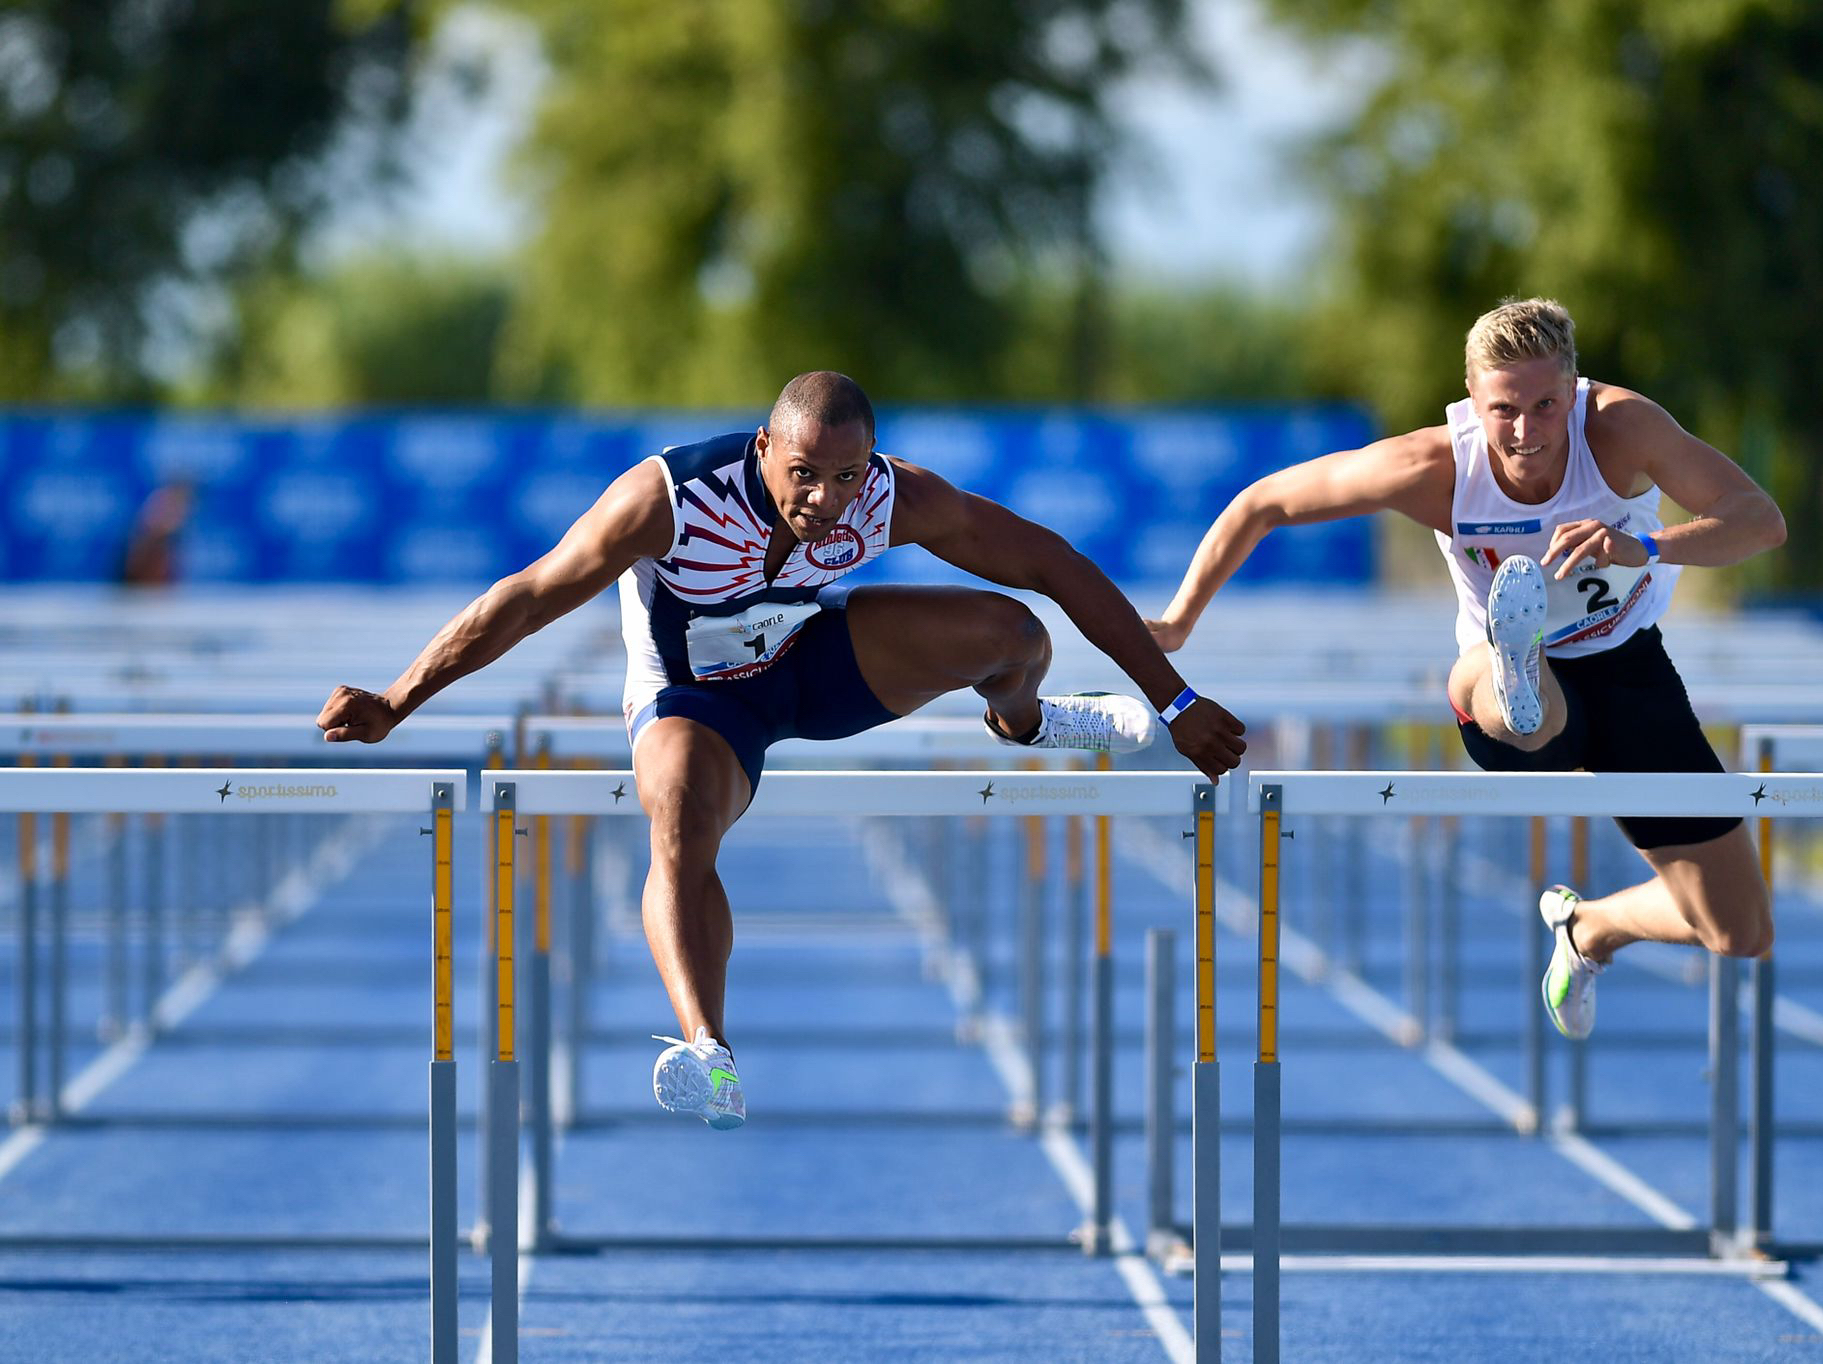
(481, 632)
(1108, 621)
(1224, 548)
(1739, 526)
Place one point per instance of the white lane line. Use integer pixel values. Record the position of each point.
(1134, 1269)
(1618, 1265)
(18, 1146)
(527, 1230)
(910, 896)
(246, 941)
(1793, 1300)
(1800, 1020)
(1597, 1163)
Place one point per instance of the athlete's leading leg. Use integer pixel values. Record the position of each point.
(693, 789)
(914, 644)
(1505, 685)
(1471, 688)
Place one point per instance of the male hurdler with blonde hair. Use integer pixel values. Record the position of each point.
(1543, 490)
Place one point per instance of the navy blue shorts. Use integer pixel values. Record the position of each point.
(813, 691)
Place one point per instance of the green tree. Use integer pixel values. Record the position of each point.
(1655, 164)
(377, 330)
(738, 189)
(149, 147)
(1209, 343)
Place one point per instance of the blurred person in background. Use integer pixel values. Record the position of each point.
(728, 555)
(1543, 490)
(150, 559)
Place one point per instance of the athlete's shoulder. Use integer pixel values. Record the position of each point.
(704, 458)
(925, 504)
(1622, 410)
(1622, 424)
(1427, 454)
(1427, 443)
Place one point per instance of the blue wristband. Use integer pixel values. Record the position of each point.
(1651, 544)
(1179, 704)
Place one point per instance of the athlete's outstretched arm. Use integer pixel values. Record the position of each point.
(1731, 517)
(1413, 474)
(986, 539)
(631, 520)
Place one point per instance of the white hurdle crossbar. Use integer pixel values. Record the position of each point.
(436, 793)
(102, 735)
(1275, 796)
(1749, 795)
(221, 790)
(829, 794)
(833, 794)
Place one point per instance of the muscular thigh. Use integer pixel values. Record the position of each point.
(691, 784)
(914, 644)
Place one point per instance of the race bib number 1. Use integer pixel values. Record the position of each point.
(739, 645)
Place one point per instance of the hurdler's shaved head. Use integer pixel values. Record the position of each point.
(824, 398)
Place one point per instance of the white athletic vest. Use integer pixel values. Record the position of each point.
(1591, 610)
(704, 610)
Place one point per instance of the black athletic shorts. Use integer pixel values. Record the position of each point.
(1628, 712)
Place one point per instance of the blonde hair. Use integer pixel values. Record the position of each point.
(1522, 329)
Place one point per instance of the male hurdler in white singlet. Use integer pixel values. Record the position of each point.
(1543, 490)
(728, 554)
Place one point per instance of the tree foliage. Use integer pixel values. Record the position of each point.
(146, 145)
(1207, 343)
(384, 329)
(1655, 164)
(735, 190)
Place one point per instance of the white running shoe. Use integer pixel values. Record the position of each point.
(698, 1078)
(1569, 981)
(1101, 721)
(1516, 612)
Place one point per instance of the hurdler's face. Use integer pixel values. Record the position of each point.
(1525, 412)
(813, 472)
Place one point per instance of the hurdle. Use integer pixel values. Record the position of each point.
(282, 791)
(1276, 797)
(155, 740)
(991, 794)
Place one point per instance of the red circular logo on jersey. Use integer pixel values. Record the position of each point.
(841, 548)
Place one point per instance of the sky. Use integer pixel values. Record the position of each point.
(1207, 190)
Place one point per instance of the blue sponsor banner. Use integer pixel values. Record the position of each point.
(465, 497)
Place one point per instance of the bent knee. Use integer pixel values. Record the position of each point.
(1010, 627)
(684, 821)
(1751, 939)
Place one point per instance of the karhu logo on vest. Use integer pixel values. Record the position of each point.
(1499, 527)
(838, 549)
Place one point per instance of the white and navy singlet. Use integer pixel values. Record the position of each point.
(1592, 610)
(703, 611)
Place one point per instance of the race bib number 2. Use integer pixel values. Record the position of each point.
(1590, 602)
(739, 645)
